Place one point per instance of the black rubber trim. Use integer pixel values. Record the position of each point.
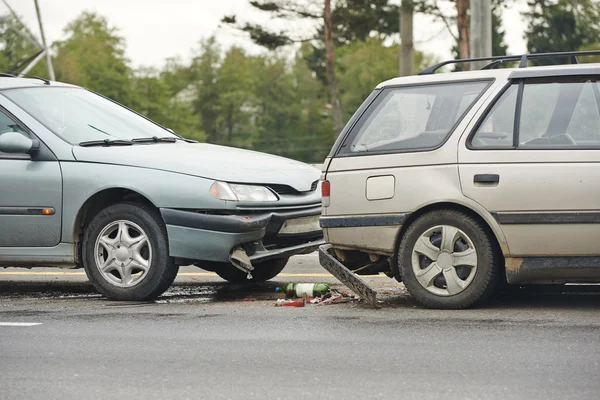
(548, 269)
(351, 222)
(547, 218)
(218, 223)
(486, 178)
(26, 211)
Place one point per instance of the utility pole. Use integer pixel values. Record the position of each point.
(406, 37)
(46, 49)
(481, 31)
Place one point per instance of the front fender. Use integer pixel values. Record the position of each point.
(163, 188)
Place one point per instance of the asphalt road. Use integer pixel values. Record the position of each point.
(208, 339)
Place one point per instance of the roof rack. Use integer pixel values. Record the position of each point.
(9, 74)
(523, 59)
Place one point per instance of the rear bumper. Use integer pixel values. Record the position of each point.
(207, 237)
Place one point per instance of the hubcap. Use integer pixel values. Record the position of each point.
(444, 260)
(123, 253)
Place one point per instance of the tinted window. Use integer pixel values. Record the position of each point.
(78, 115)
(497, 128)
(412, 118)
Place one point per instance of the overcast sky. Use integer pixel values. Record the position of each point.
(157, 29)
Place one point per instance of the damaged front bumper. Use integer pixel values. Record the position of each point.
(262, 236)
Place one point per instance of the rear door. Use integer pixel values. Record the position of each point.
(533, 161)
(27, 187)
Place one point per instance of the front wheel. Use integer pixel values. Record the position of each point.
(126, 253)
(262, 271)
(447, 260)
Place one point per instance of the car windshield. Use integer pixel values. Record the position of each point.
(78, 115)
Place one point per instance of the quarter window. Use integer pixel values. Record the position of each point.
(412, 118)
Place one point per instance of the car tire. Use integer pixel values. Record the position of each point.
(447, 260)
(262, 271)
(125, 253)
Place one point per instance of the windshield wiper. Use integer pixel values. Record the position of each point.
(106, 142)
(167, 139)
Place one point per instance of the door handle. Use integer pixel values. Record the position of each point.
(486, 178)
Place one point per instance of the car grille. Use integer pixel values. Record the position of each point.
(284, 189)
(290, 191)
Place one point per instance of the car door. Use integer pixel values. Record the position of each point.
(533, 161)
(30, 193)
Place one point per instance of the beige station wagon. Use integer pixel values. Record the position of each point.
(455, 182)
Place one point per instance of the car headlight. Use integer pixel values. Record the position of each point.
(235, 192)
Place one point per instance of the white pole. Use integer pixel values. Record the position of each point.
(31, 37)
(481, 31)
(46, 50)
(33, 63)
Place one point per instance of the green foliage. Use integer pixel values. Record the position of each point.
(93, 55)
(16, 52)
(561, 25)
(356, 81)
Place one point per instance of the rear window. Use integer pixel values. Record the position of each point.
(412, 118)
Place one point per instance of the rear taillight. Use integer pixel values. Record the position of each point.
(325, 192)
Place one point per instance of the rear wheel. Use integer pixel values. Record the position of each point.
(262, 271)
(447, 260)
(126, 253)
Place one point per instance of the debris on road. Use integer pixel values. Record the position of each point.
(331, 297)
(304, 289)
(291, 303)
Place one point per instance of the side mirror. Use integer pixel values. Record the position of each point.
(13, 142)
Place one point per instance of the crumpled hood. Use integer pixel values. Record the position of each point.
(221, 163)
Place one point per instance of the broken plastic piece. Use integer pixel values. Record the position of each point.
(291, 303)
(241, 261)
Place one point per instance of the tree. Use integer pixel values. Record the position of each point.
(288, 9)
(16, 52)
(561, 25)
(236, 86)
(457, 22)
(93, 56)
(357, 82)
(334, 94)
(204, 92)
(348, 21)
(406, 37)
(154, 97)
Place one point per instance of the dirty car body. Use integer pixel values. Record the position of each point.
(88, 182)
(454, 182)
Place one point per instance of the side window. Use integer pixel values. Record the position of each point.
(584, 127)
(496, 130)
(8, 125)
(412, 118)
(555, 113)
(559, 114)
